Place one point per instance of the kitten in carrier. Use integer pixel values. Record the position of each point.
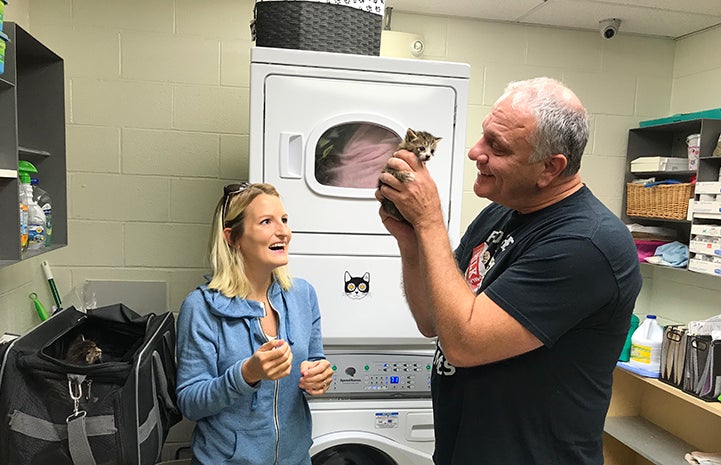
(423, 145)
(83, 352)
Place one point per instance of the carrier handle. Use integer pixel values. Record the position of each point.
(291, 155)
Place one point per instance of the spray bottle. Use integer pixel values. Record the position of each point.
(26, 198)
(42, 198)
(36, 216)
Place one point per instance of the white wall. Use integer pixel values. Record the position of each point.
(157, 122)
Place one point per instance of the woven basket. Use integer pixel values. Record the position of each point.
(317, 26)
(668, 201)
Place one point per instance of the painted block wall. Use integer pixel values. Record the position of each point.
(157, 123)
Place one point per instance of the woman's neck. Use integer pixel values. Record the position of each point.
(259, 286)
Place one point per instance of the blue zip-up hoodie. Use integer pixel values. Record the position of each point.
(236, 423)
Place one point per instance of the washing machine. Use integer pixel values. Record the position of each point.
(378, 410)
(372, 432)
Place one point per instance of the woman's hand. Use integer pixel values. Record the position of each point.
(273, 360)
(316, 376)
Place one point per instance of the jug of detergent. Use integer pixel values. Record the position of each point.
(646, 345)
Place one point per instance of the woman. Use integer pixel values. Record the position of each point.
(249, 342)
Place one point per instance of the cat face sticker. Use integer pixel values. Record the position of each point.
(357, 288)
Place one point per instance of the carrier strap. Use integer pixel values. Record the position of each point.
(78, 441)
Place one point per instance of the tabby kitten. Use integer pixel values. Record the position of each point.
(423, 144)
(84, 352)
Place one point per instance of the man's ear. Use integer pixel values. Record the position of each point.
(553, 166)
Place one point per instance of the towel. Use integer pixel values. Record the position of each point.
(673, 254)
(703, 458)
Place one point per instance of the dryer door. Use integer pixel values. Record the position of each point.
(326, 140)
(360, 448)
(352, 454)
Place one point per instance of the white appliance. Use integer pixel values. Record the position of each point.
(378, 410)
(322, 126)
(381, 432)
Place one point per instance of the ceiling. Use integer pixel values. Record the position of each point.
(660, 18)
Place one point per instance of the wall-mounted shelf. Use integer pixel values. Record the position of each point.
(32, 128)
(669, 140)
(658, 422)
(648, 440)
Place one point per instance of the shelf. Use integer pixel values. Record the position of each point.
(648, 440)
(30, 151)
(684, 174)
(712, 407)
(32, 127)
(662, 220)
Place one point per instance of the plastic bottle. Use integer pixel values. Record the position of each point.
(646, 345)
(43, 199)
(626, 351)
(35, 215)
(25, 191)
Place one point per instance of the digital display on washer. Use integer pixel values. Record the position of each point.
(394, 379)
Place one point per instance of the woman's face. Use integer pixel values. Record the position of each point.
(264, 243)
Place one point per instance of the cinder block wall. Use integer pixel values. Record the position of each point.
(157, 123)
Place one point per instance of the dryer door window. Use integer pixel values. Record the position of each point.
(352, 454)
(351, 155)
(300, 113)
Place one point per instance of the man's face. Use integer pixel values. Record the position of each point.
(502, 154)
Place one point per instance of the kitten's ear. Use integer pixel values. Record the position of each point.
(347, 276)
(367, 277)
(410, 134)
(438, 139)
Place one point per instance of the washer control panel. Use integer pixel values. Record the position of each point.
(380, 375)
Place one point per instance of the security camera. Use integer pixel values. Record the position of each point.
(609, 27)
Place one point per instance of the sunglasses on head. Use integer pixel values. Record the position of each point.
(229, 191)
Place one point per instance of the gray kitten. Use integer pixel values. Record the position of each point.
(423, 144)
(84, 352)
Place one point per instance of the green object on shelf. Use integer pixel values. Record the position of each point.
(714, 113)
(626, 351)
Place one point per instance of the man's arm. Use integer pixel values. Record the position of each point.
(472, 329)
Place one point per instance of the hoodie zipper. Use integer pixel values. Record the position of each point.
(276, 387)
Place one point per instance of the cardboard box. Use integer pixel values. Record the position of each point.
(655, 164)
(713, 187)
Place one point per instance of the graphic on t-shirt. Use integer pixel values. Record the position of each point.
(441, 365)
(483, 259)
(477, 266)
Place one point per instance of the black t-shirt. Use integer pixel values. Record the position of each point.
(569, 274)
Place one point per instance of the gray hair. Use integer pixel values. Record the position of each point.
(561, 120)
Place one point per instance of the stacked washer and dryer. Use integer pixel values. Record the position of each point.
(322, 126)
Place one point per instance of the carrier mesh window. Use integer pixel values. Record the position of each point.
(353, 154)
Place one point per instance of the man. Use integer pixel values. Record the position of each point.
(530, 328)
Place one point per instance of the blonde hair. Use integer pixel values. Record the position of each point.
(226, 261)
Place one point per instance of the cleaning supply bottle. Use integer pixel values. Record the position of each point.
(36, 216)
(646, 345)
(43, 199)
(25, 191)
(626, 351)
